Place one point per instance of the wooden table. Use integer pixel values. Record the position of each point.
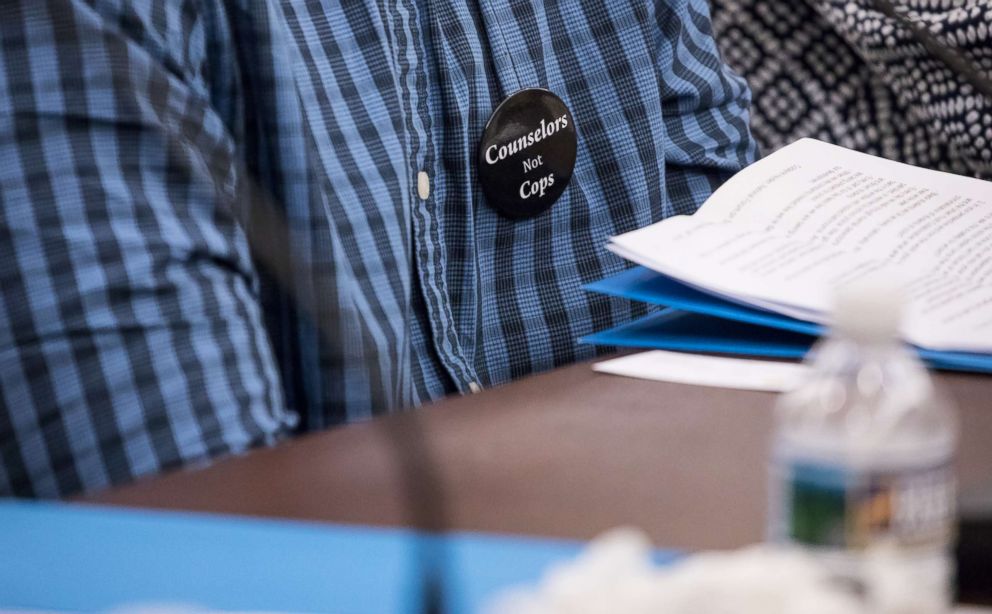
(568, 453)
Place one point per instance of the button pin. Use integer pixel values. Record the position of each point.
(527, 153)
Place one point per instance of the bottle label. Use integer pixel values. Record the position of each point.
(838, 507)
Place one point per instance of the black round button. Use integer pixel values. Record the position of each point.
(527, 153)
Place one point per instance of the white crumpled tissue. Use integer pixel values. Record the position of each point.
(616, 575)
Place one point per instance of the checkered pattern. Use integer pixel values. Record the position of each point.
(844, 72)
(210, 232)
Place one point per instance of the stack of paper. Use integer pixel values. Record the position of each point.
(754, 271)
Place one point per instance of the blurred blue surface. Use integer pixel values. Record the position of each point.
(62, 557)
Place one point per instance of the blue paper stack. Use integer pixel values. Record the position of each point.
(695, 321)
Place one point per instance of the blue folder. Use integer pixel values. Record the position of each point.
(696, 321)
(68, 557)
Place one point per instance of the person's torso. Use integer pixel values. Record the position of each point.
(347, 103)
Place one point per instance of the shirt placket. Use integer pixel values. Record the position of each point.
(429, 257)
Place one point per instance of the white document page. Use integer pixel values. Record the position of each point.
(701, 370)
(789, 229)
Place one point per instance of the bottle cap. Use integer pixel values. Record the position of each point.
(869, 309)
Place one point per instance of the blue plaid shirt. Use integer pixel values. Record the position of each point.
(211, 232)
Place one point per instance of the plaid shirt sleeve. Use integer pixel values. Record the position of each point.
(705, 107)
(130, 330)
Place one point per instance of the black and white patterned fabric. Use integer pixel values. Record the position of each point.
(846, 72)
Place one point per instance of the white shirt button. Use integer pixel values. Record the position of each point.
(474, 387)
(423, 185)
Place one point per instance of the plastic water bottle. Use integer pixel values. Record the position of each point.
(861, 467)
